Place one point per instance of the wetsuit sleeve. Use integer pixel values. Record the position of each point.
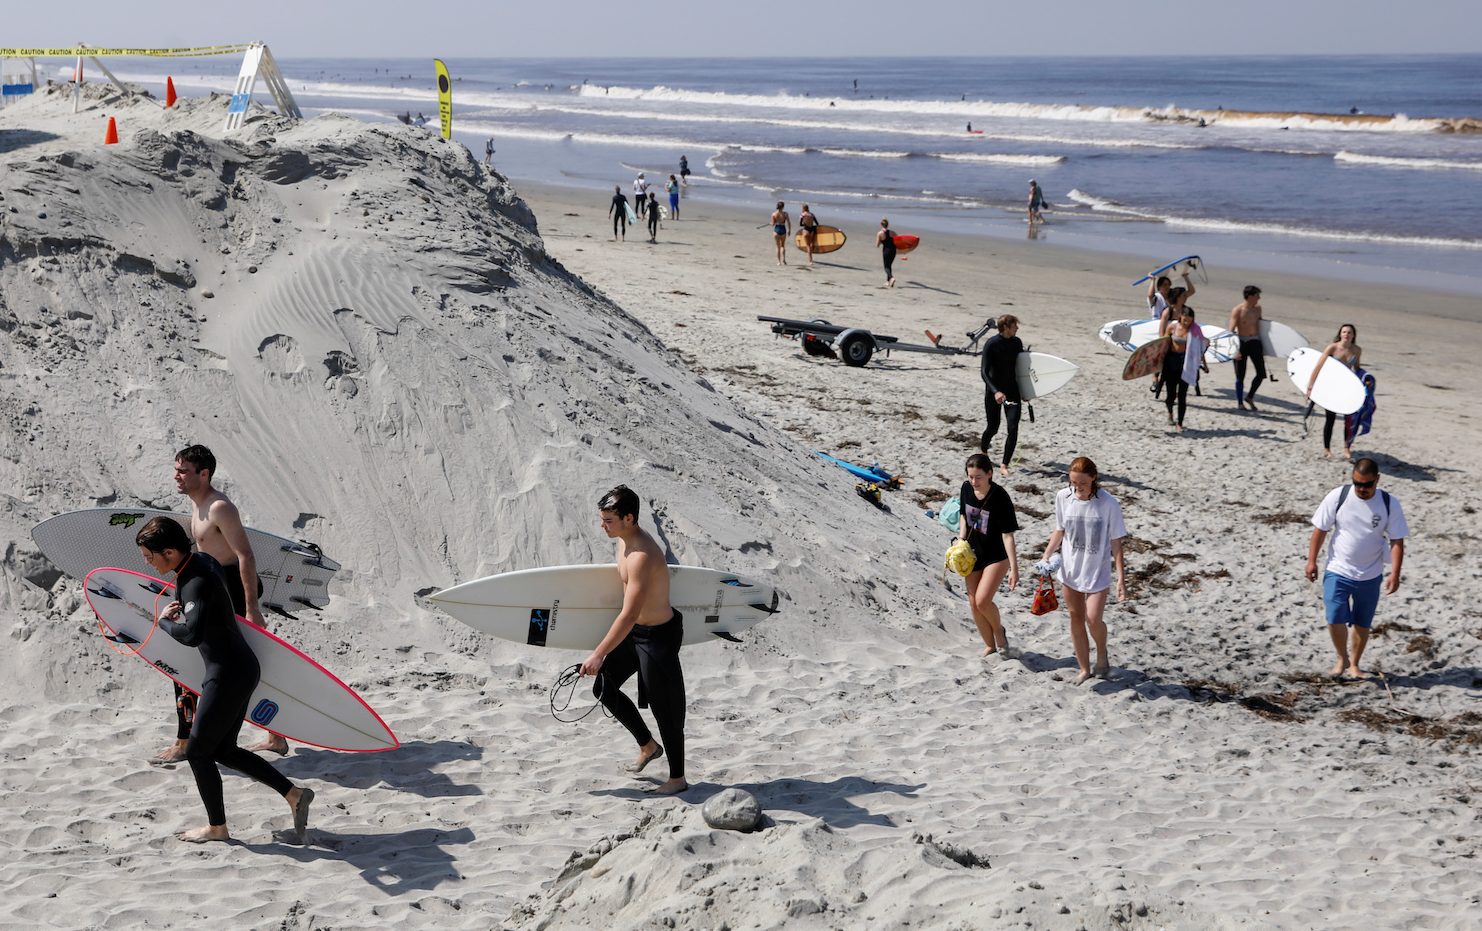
(190, 630)
(988, 355)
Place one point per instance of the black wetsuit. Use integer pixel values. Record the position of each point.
(209, 623)
(684, 167)
(185, 702)
(653, 653)
(619, 211)
(1000, 359)
(653, 218)
(887, 253)
(1250, 350)
(1173, 380)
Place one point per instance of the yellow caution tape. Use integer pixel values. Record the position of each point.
(125, 52)
(960, 558)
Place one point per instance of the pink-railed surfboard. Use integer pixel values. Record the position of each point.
(295, 697)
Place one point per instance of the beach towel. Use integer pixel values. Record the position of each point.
(1194, 355)
(1360, 421)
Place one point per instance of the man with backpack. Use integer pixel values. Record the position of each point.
(1362, 519)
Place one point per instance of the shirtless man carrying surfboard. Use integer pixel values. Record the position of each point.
(644, 639)
(216, 527)
(1245, 323)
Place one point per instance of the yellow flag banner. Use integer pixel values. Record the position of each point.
(444, 97)
(125, 52)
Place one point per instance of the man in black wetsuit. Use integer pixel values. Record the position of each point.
(644, 638)
(202, 617)
(1001, 400)
(618, 210)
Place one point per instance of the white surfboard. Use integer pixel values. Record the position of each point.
(1039, 374)
(1337, 389)
(573, 607)
(294, 574)
(295, 697)
(1279, 340)
(1129, 335)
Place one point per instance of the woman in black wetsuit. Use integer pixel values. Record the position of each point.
(207, 622)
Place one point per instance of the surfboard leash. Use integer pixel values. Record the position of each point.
(564, 690)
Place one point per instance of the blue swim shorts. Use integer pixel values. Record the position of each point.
(1349, 602)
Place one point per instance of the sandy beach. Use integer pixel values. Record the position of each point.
(433, 373)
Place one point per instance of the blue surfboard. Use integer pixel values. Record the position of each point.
(868, 473)
(1195, 264)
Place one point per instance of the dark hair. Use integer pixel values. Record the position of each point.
(1176, 294)
(1366, 466)
(781, 204)
(200, 457)
(162, 533)
(979, 461)
(1251, 291)
(621, 500)
(1162, 280)
(1085, 466)
(1338, 337)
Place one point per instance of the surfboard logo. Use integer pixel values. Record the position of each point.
(166, 668)
(265, 711)
(124, 520)
(540, 625)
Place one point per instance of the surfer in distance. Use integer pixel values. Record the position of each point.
(202, 616)
(1354, 575)
(1345, 349)
(808, 223)
(216, 526)
(644, 639)
(684, 171)
(885, 242)
(1088, 521)
(781, 229)
(1245, 323)
(1036, 202)
(618, 210)
(1001, 399)
(987, 524)
(653, 216)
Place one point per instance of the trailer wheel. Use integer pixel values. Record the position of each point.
(856, 349)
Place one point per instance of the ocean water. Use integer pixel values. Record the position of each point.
(1283, 173)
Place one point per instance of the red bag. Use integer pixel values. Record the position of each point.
(1044, 597)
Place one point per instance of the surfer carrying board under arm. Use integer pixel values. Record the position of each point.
(781, 229)
(808, 223)
(1345, 349)
(644, 639)
(1245, 323)
(1001, 400)
(216, 527)
(206, 621)
(618, 210)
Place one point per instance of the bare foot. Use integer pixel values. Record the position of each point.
(298, 799)
(174, 753)
(270, 744)
(646, 755)
(989, 651)
(1338, 667)
(1327, 453)
(1356, 673)
(1003, 470)
(671, 787)
(1085, 674)
(212, 832)
(1103, 671)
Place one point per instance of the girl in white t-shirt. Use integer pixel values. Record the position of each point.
(1089, 522)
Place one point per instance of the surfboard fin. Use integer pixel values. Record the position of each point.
(727, 635)
(299, 599)
(766, 608)
(106, 591)
(279, 609)
(120, 637)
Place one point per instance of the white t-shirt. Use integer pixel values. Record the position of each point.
(1159, 305)
(640, 186)
(1089, 527)
(1357, 548)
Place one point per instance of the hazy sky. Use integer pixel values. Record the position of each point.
(592, 28)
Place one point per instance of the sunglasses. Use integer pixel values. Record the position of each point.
(1366, 485)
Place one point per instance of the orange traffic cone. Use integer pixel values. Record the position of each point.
(111, 137)
(169, 92)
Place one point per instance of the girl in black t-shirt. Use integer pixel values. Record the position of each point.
(988, 524)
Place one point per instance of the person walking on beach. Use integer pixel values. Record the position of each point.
(644, 639)
(808, 223)
(684, 171)
(640, 194)
(672, 188)
(1001, 399)
(202, 616)
(1036, 202)
(618, 210)
(1168, 312)
(1182, 364)
(1245, 323)
(988, 523)
(885, 242)
(1362, 523)
(653, 216)
(781, 229)
(1345, 349)
(489, 152)
(216, 527)
(1088, 521)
